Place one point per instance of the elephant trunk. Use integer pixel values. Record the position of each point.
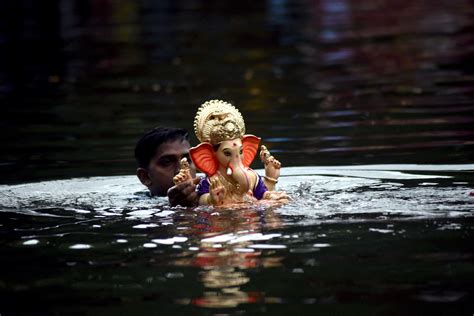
(240, 174)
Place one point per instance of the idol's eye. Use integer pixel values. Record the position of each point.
(227, 153)
(241, 150)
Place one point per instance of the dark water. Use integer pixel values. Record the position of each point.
(368, 240)
(379, 93)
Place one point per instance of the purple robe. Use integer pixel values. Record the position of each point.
(258, 190)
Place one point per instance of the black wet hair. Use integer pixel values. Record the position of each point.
(148, 144)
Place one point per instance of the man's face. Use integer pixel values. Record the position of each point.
(166, 164)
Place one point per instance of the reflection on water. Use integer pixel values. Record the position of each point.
(398, 236)
(322, 82)
(227, 249)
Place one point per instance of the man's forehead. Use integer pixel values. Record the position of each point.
(173, 147)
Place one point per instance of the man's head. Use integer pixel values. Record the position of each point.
(158, 154)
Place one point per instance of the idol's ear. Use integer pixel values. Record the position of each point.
(203, 158)
(250, 147)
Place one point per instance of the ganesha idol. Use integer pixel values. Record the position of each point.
(225, 154)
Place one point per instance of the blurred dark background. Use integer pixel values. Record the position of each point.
(322, 82)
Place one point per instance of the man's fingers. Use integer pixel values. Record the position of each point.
(188, 200)
(182, 188)
(173, 190)
(183, 194)
(188, 189)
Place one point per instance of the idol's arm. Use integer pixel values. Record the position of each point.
(272, 168)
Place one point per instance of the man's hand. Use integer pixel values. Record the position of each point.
(184, 193)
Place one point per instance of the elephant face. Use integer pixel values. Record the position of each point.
(229, 154)
(231, 157)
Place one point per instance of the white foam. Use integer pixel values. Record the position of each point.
(80, 246)
(31, 242)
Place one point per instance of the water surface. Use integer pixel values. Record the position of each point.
(368, 239)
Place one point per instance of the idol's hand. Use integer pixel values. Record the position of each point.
(184, 172)
(272, 168)
(216, 192)
(279, 196)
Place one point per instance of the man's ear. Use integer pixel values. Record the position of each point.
(142, 174)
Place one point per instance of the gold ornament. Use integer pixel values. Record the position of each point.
(216, 121)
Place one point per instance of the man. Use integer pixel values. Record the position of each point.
(158, 154)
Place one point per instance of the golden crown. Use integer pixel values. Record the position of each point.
(216, 121)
